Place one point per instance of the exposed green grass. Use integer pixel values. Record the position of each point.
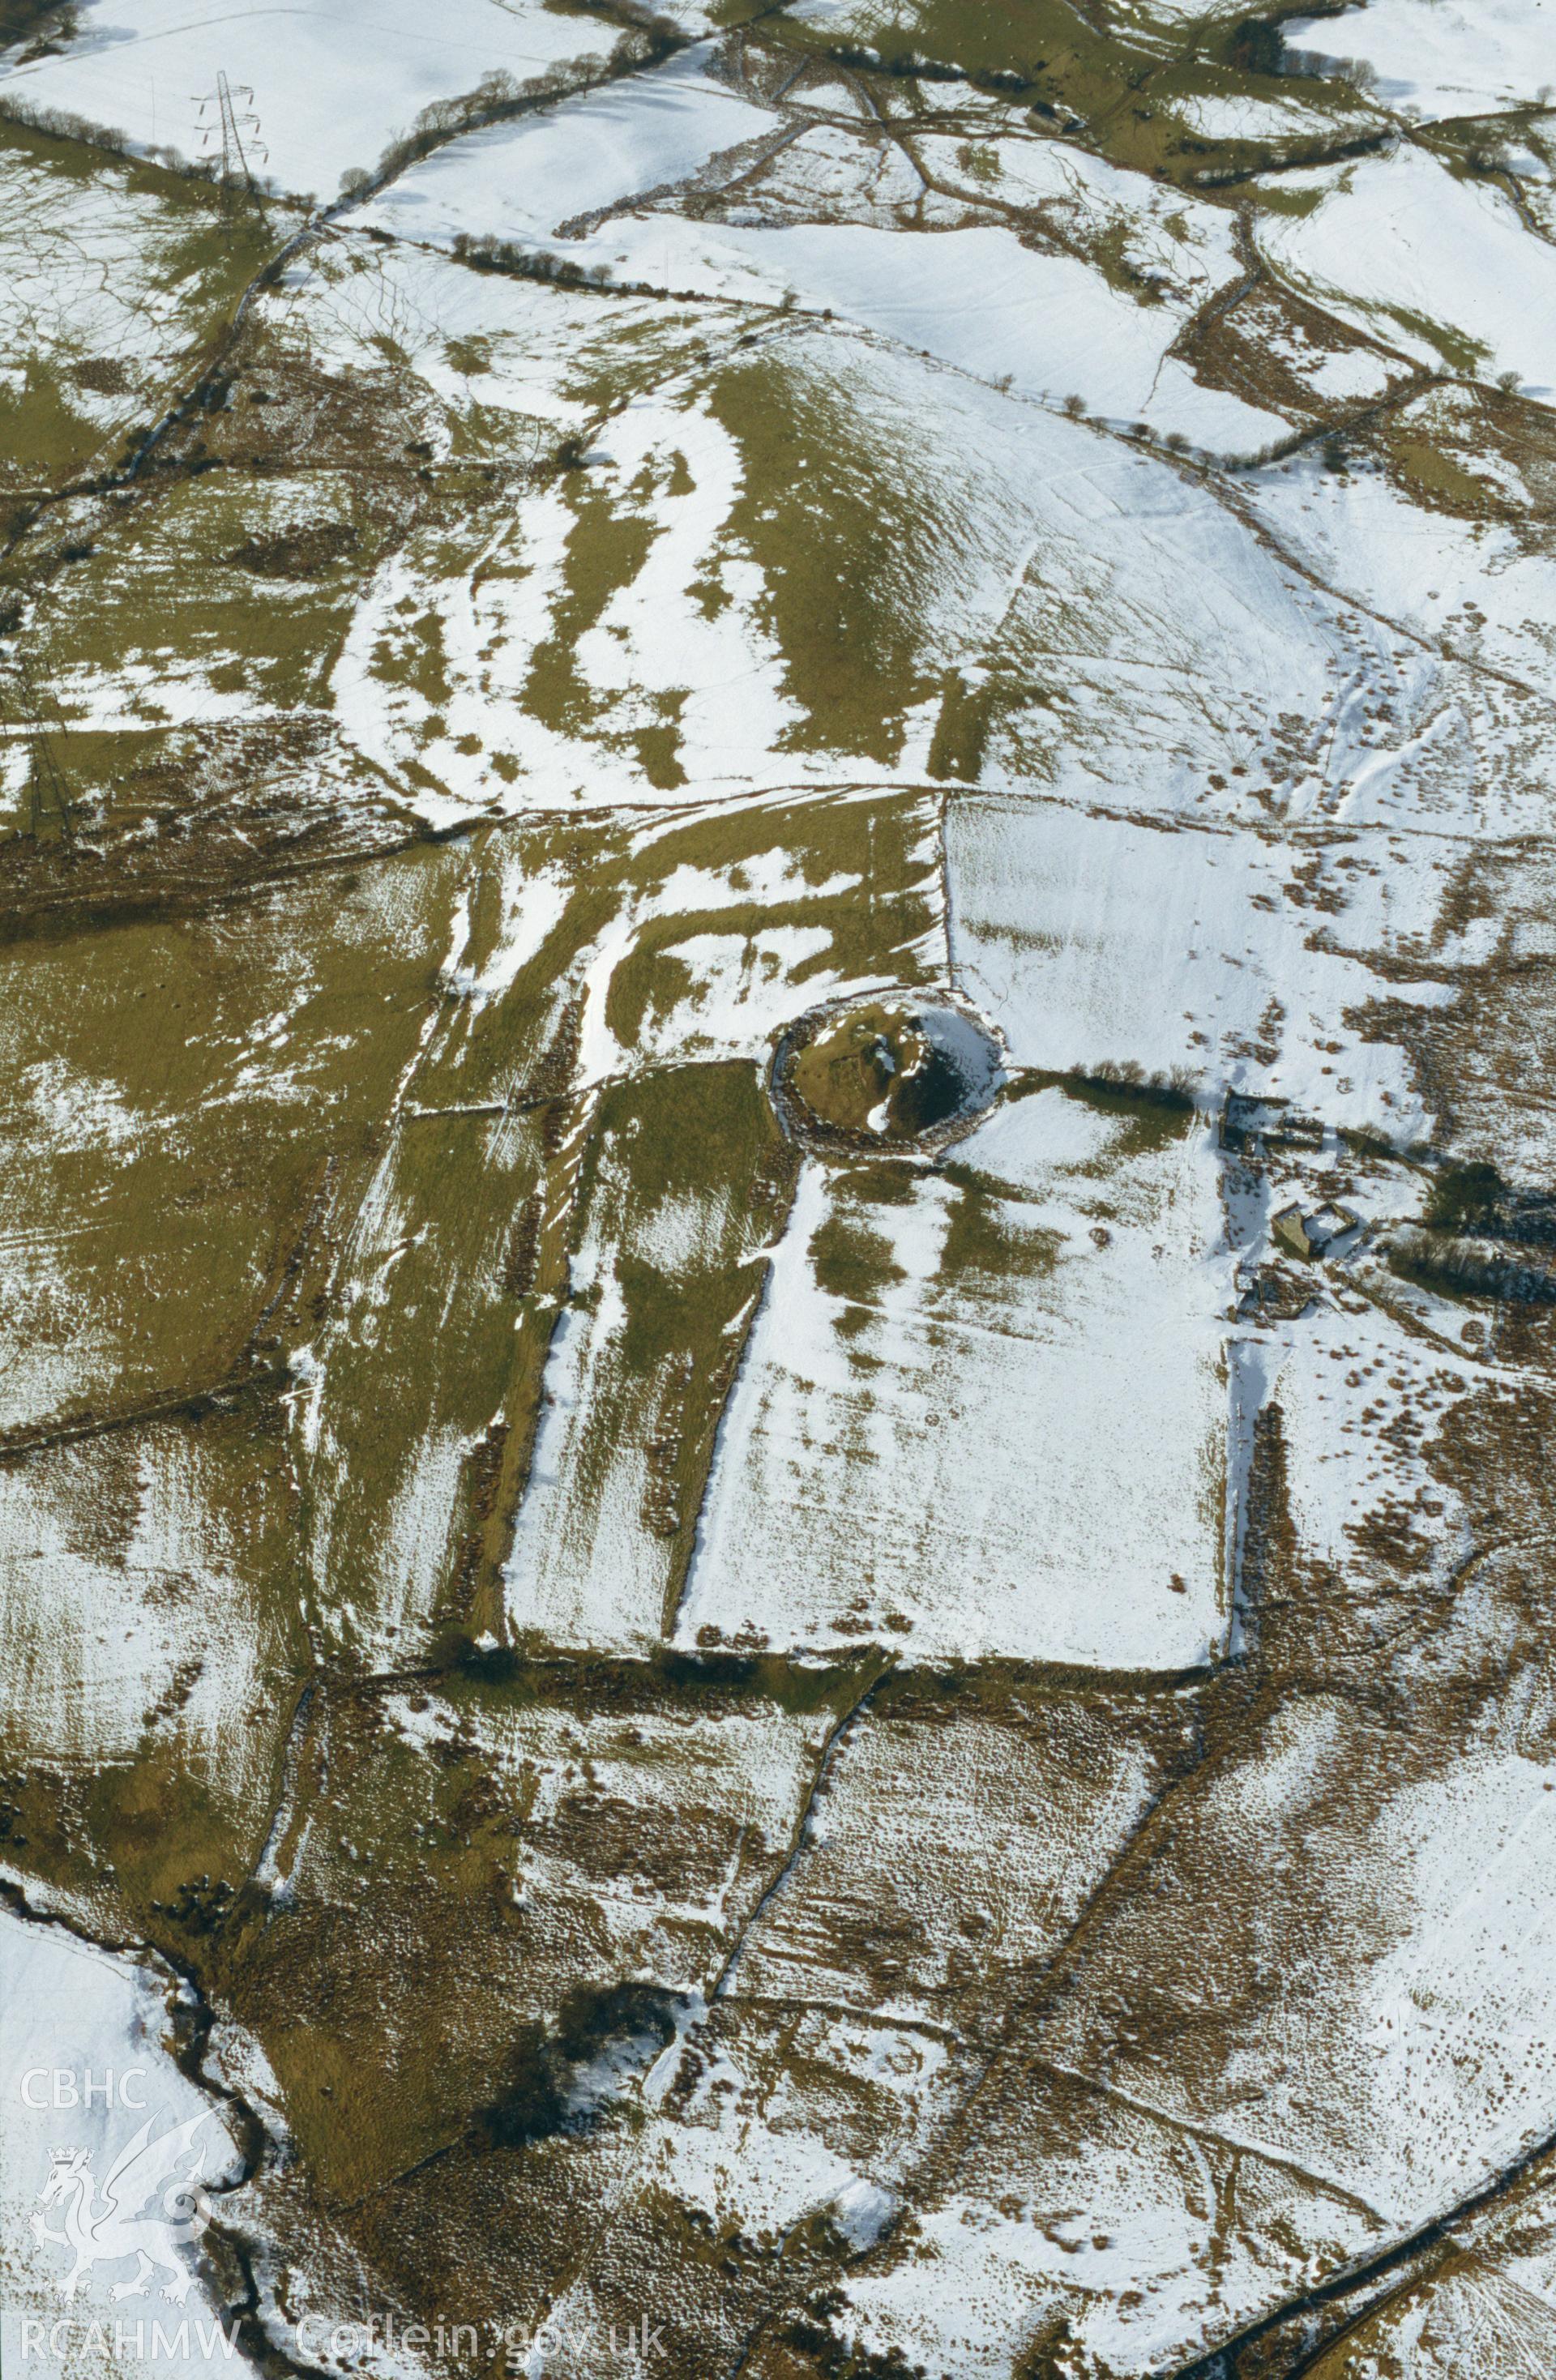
(177, 1091)
(1120, 88)
(842, 536)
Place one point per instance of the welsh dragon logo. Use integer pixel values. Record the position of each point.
(147, 2209)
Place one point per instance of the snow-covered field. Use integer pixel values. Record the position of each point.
(1439, 57)
(976, 297)
(319, 90)
(978, 1415)
(1443, 267)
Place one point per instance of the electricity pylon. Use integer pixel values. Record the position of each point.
(229, 127)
